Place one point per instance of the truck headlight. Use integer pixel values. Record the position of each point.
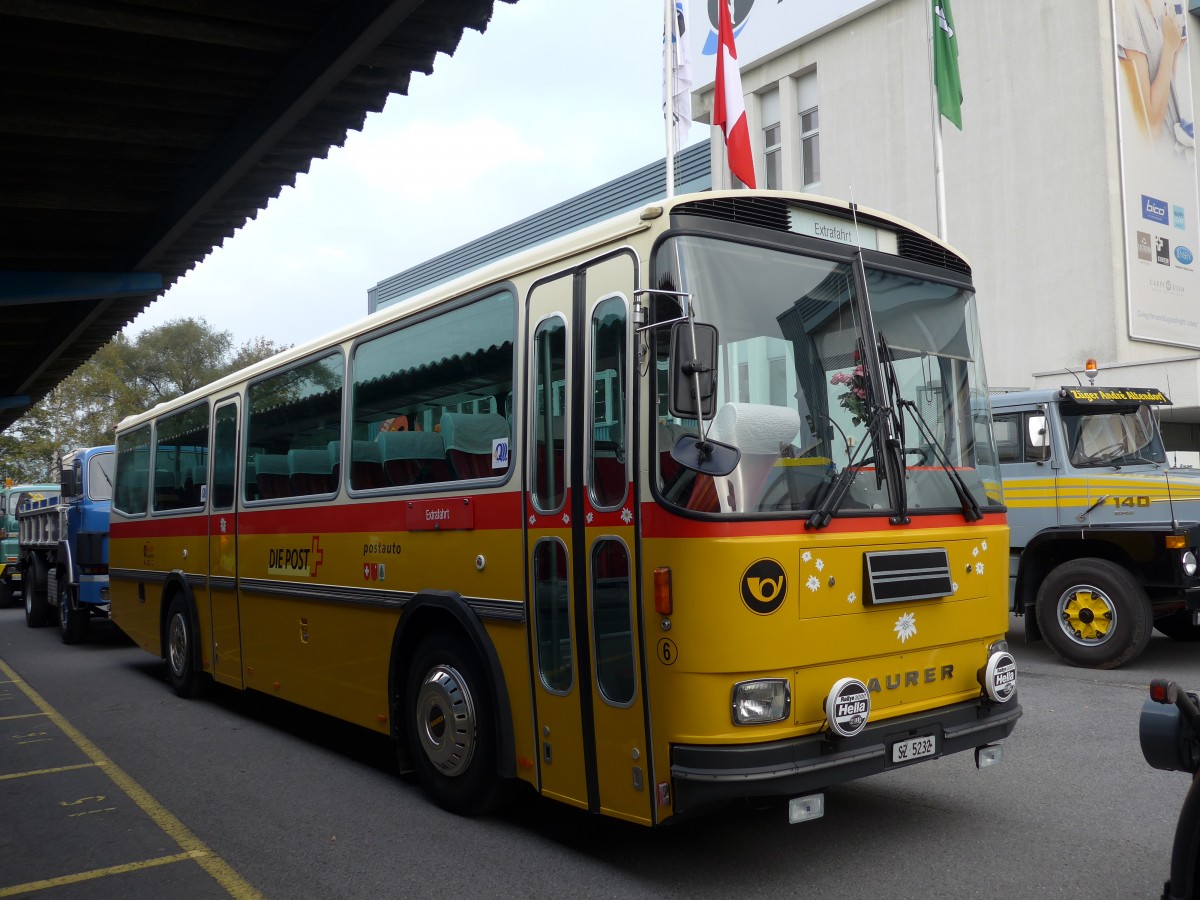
(1189, 563)
(761, 701)
(999, 677)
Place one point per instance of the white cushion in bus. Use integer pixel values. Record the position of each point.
(410, 445)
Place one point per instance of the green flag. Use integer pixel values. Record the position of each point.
(945, 63)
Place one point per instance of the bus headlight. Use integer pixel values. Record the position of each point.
(761, 701)
(1189, 563)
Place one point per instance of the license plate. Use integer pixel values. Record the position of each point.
(914, 748)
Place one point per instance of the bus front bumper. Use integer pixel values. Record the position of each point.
(704, 775)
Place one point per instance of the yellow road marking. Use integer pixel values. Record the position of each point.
(193, 847)
(96, 873)
(21, 716)
(90, 765)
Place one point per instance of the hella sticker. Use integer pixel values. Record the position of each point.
(848, 706)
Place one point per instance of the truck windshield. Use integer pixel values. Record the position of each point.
(100, 475)
(1112, 436)
(792, 386)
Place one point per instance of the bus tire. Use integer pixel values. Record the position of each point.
(72, 620)
(180, 651)
(450, 726)
(1178, 626)
(1093, 613)
(37, 608)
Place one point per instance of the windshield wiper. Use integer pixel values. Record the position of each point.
(970, 506)
(823, 514)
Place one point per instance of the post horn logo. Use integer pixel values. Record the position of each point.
(764, 586)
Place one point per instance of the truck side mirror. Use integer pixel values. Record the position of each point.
(68, 484)
(1038, 438)
(693, 366)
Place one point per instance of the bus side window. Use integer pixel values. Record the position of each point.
(292, 416)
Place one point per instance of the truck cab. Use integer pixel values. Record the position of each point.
(12, 496)
(1104, 534)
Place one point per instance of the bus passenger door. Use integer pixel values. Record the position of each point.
(225, 628)
(581, 520)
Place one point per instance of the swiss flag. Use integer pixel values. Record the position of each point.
(729, 106)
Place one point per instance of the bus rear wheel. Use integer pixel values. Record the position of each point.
(450, 726)
(180, 651)
(1093, 613)
(72, 621)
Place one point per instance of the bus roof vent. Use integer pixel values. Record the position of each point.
(915, 246)
(762, 212)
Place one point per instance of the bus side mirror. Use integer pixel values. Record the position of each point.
(691, 366)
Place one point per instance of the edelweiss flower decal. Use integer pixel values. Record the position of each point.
(978, 568)
(626, 515)
(589, 518)
(813, 584)
(906, 626)
(566, 518)
(533, 520)
(820, 564)
(983, 545)
(805, 556)
(852, 598)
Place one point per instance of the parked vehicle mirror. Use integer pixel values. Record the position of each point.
(1038, 438)
(692, 367)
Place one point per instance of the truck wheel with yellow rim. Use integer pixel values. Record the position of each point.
(1093, 613)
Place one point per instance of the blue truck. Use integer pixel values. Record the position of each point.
(63, 546)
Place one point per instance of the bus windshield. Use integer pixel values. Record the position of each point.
(792, 391)
(1113, 437)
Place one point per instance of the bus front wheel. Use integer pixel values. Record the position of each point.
(450, 726)
(1093, 613)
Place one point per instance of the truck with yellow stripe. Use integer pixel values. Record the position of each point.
(1104, 533)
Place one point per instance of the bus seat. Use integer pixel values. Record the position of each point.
(134, 486)
(272, 477)
(759, 431)
(309, 471)
(334, 450)
(193, 486)
(469, 442)
(413, 457)
(167, 489)
(224, 473)
(366, 465)
(668, 434)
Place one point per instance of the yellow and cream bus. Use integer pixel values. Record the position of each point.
(696, 504)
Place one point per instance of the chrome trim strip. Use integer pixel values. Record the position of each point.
(484, 607)
(222, 583)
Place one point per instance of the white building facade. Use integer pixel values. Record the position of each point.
(1075, 203)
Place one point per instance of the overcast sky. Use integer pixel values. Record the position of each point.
(553, 99)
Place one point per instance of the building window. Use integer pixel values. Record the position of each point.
(772, 142)
(810, 148)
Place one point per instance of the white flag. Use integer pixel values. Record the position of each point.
(677, 74)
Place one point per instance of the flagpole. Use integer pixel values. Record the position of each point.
(669, 82)
(939, 175)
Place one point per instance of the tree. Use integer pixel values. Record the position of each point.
(124, 377)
